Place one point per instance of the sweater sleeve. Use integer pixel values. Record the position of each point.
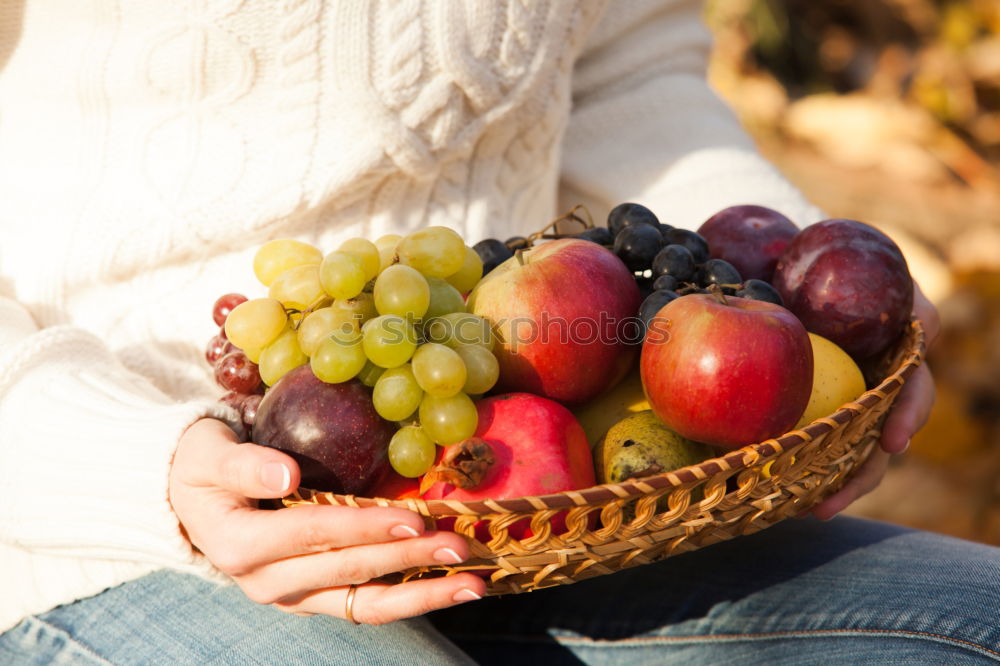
(646, 127)
(85, 450)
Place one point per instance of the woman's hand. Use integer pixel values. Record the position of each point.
(302, 560)
(908, 415)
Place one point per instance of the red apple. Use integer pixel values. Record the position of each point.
(537, 448)
(751, 238)
(727, 373)
(561, 312)
(848, 283)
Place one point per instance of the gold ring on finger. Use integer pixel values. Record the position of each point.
(349, 606)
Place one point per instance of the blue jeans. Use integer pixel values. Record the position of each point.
(802, 592)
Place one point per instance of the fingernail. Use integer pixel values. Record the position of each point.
(446, 556)
(403, 531)
(275, 476)
(465, 594)
(905, 446)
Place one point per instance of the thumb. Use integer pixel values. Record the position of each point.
(249, 470)
(256, 471)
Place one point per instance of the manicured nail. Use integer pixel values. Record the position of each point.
(275, 476)
(446, 556)
(465, 594)
(403, 531)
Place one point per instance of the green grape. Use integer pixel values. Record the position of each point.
(370, 374)
(298, 287)
(338, 359)
(444, 299)
(434, 251)
(387, 250)
(401, 290)
(389, 340)
(253, 353)
(361, 306)
(367, 252)
(411, 452)
(448, 420)
(275, 257)
(469, 275)
(321, 324)
(439, 370)
(342, 275)
(460, 328)
(481, 368)
(397, 394)
(281, 356)
(254, 324)
(412, 419)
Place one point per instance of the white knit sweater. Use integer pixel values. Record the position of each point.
(147, 148)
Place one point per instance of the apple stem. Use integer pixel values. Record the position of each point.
(720, 296)
(520, 257)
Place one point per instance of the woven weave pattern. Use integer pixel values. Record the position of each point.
(615, 526)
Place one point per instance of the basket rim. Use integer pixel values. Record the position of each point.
(731, 461)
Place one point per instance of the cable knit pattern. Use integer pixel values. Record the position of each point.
(147, 148)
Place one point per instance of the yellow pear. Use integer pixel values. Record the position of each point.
(836, 380)
(607, 409)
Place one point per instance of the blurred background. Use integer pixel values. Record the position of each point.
(888, 111)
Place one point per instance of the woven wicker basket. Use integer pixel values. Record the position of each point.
(614, 526)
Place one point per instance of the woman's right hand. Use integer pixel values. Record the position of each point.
(303, 560)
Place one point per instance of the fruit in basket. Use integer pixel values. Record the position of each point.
(224, 305)
(365, 311)
(536, 448)
(628, 214)
(236, 372)
(281, 356)
(598, 415)
(395, 487)
(403, 291)
(642, 445)
(727, 371)
(836, 380)
(434, 251)
(254, 324)
(849, 283)
(751, 238)
(557, 309)
(411, 451)
(448, 420)
(275, 257)
(492, 252)
(331, 430)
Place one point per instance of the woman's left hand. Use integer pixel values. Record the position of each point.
(908, 415)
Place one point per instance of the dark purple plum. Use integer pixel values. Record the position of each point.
(751, 238)
(847, 282)
(331, 430)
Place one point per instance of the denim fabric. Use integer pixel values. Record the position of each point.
(802, 592)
